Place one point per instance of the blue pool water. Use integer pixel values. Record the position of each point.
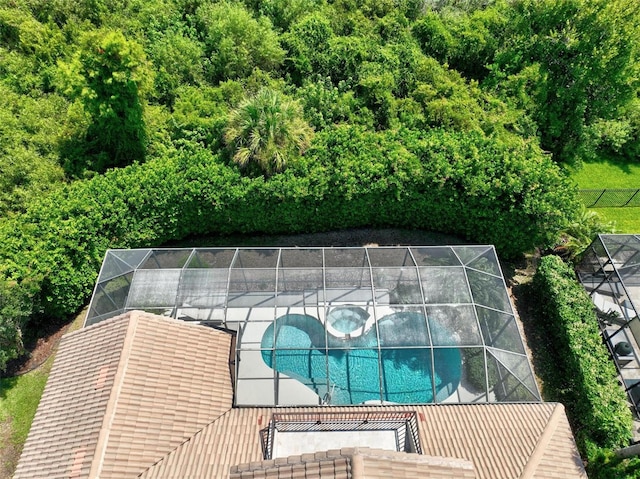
(356, 369)
(347, 319)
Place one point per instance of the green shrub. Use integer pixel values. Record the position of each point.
(475, 375)
(15, 308)
(235, 41)
(109, 75)
(588, 386)
(468, 185)
(604, 464)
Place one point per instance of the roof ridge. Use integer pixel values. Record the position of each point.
(112, 403)
(357, 459)
(543, 442)
(186, 441)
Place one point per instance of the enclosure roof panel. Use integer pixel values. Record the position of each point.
(622, 253)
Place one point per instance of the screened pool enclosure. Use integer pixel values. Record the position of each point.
(610, 273)
(338, 326)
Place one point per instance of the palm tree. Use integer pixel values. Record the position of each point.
(267, 130)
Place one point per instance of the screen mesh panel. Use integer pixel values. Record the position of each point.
(338, 326)
(154, 288)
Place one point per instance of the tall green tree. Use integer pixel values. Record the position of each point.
(109, 76)
(177, 60)
(585, 64)
(15, 309)
(235, 42)
(283, 13)
(29, 129)
(307, 45)
(466, 42)
(267, 131)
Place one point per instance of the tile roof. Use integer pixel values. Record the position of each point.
(501, 440)
(124, 392)
(151, 397)
(65, 430)
(357, 463)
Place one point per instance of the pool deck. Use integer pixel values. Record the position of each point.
(296, 443)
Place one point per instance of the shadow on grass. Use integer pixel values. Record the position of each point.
(6, 384)
(617, 162)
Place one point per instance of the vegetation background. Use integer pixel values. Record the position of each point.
(132, 123)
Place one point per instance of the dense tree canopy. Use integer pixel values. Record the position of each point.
(585, 65)
(439, 114)
(108, 76)
(563, 73)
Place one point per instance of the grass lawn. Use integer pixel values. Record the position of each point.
(19, 398)
(626, 220)
(612, 174)
(607, 174)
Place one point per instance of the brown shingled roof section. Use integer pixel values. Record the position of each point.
(65, 430)
(499, 439)
(558, 459)
(321, 465)
(166, 380)
(150, 396)
(356, 463)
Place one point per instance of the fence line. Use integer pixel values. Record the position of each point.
(610, 198)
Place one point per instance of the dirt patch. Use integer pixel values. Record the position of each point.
(42, 344)
(518, 276)
(351, 237)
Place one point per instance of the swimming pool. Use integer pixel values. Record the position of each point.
(347, 319)
(395, 363)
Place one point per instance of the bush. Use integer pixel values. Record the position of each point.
(14, 313)
(235, 41)
(468, 185)
(596, 405)
(604, 464)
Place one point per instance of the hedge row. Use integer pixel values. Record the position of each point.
(465, 184)
(595, 402)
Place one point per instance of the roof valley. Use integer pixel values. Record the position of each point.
(186, 441)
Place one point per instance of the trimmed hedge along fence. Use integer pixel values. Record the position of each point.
(465, 184)
(596, 404)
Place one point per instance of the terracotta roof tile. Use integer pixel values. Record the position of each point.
(498, 439)
(159, 406)
(357, 463)
(560, 457)
(123, 393)
(149, 396)
(65, 430)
